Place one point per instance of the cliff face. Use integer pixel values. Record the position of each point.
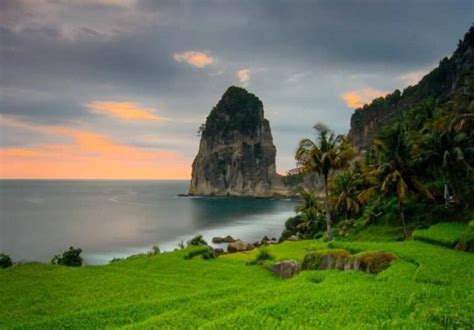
(453, 75)
(236, 155)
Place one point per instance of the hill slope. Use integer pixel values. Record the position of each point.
(453, 76)
(429, 286)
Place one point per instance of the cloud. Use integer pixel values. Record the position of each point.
(244, 76)
(127, 111)
(86, 154)
(356, 99)
(197, 59)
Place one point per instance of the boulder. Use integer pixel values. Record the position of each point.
(371, 262)
(228, 239)
(219, 251)
(219, 240)
(374, 261)
(286, 268)
(239, 246)
(292, 238)
(326, 259)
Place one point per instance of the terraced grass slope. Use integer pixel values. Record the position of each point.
(428, 287)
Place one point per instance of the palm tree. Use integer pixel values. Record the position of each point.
(447, 144)
(344, 190)
(328, 153)
(394, 166)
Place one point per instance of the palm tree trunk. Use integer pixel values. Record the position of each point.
(326, 207)
(402, 219)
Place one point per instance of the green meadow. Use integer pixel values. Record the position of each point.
(429, 286)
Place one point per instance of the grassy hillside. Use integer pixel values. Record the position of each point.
(429, 286)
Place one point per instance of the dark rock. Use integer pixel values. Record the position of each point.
(228, 239)
(286, 268)
(370, 262)
(236, 154)
(219, 251)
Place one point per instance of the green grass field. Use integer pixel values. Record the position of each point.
(430, 286)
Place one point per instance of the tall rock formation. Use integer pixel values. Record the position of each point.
(453, 76)
(236, 155)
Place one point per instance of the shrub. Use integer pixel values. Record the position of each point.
(71, 257)
(198, 251)
(154, 251)
(197, 240)
(5, 261)
(209, 254)
(262, 255)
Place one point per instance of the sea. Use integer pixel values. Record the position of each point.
(116, 219)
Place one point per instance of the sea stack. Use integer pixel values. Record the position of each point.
(236, 154)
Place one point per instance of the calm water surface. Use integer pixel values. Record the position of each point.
(110, 219)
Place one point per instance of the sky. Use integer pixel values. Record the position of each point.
(117, 89)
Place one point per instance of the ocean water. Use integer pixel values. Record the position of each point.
(107, 219)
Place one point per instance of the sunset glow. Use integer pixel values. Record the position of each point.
(86, 155)
(356, 99)
(123, 110)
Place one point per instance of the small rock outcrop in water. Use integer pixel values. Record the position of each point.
(236, 155)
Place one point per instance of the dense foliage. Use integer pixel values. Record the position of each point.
(418, 171)
(238, 110)
(5, 261)
(71, 257)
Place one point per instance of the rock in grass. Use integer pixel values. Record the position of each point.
(286, 268)
(374, 261)
(326, 259)
(239, 246)
(370, 262)
(292, 238)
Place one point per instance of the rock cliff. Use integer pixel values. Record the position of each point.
(454, 75)
(236, 154)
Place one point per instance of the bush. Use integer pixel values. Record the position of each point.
(209, 254)
(154, 251)
(197, 240)
(5, 261)
(198, 251)
(262, 255)
(71, 257)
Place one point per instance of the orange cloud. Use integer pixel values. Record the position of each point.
(87, 155)
(197, 59)
(123, 110)
(356, 99)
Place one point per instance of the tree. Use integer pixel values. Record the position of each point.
(447, 145)
(309, 211)
(344, 191)
(5, 261)
(71, 257)
(395, 168)
(328, 153)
